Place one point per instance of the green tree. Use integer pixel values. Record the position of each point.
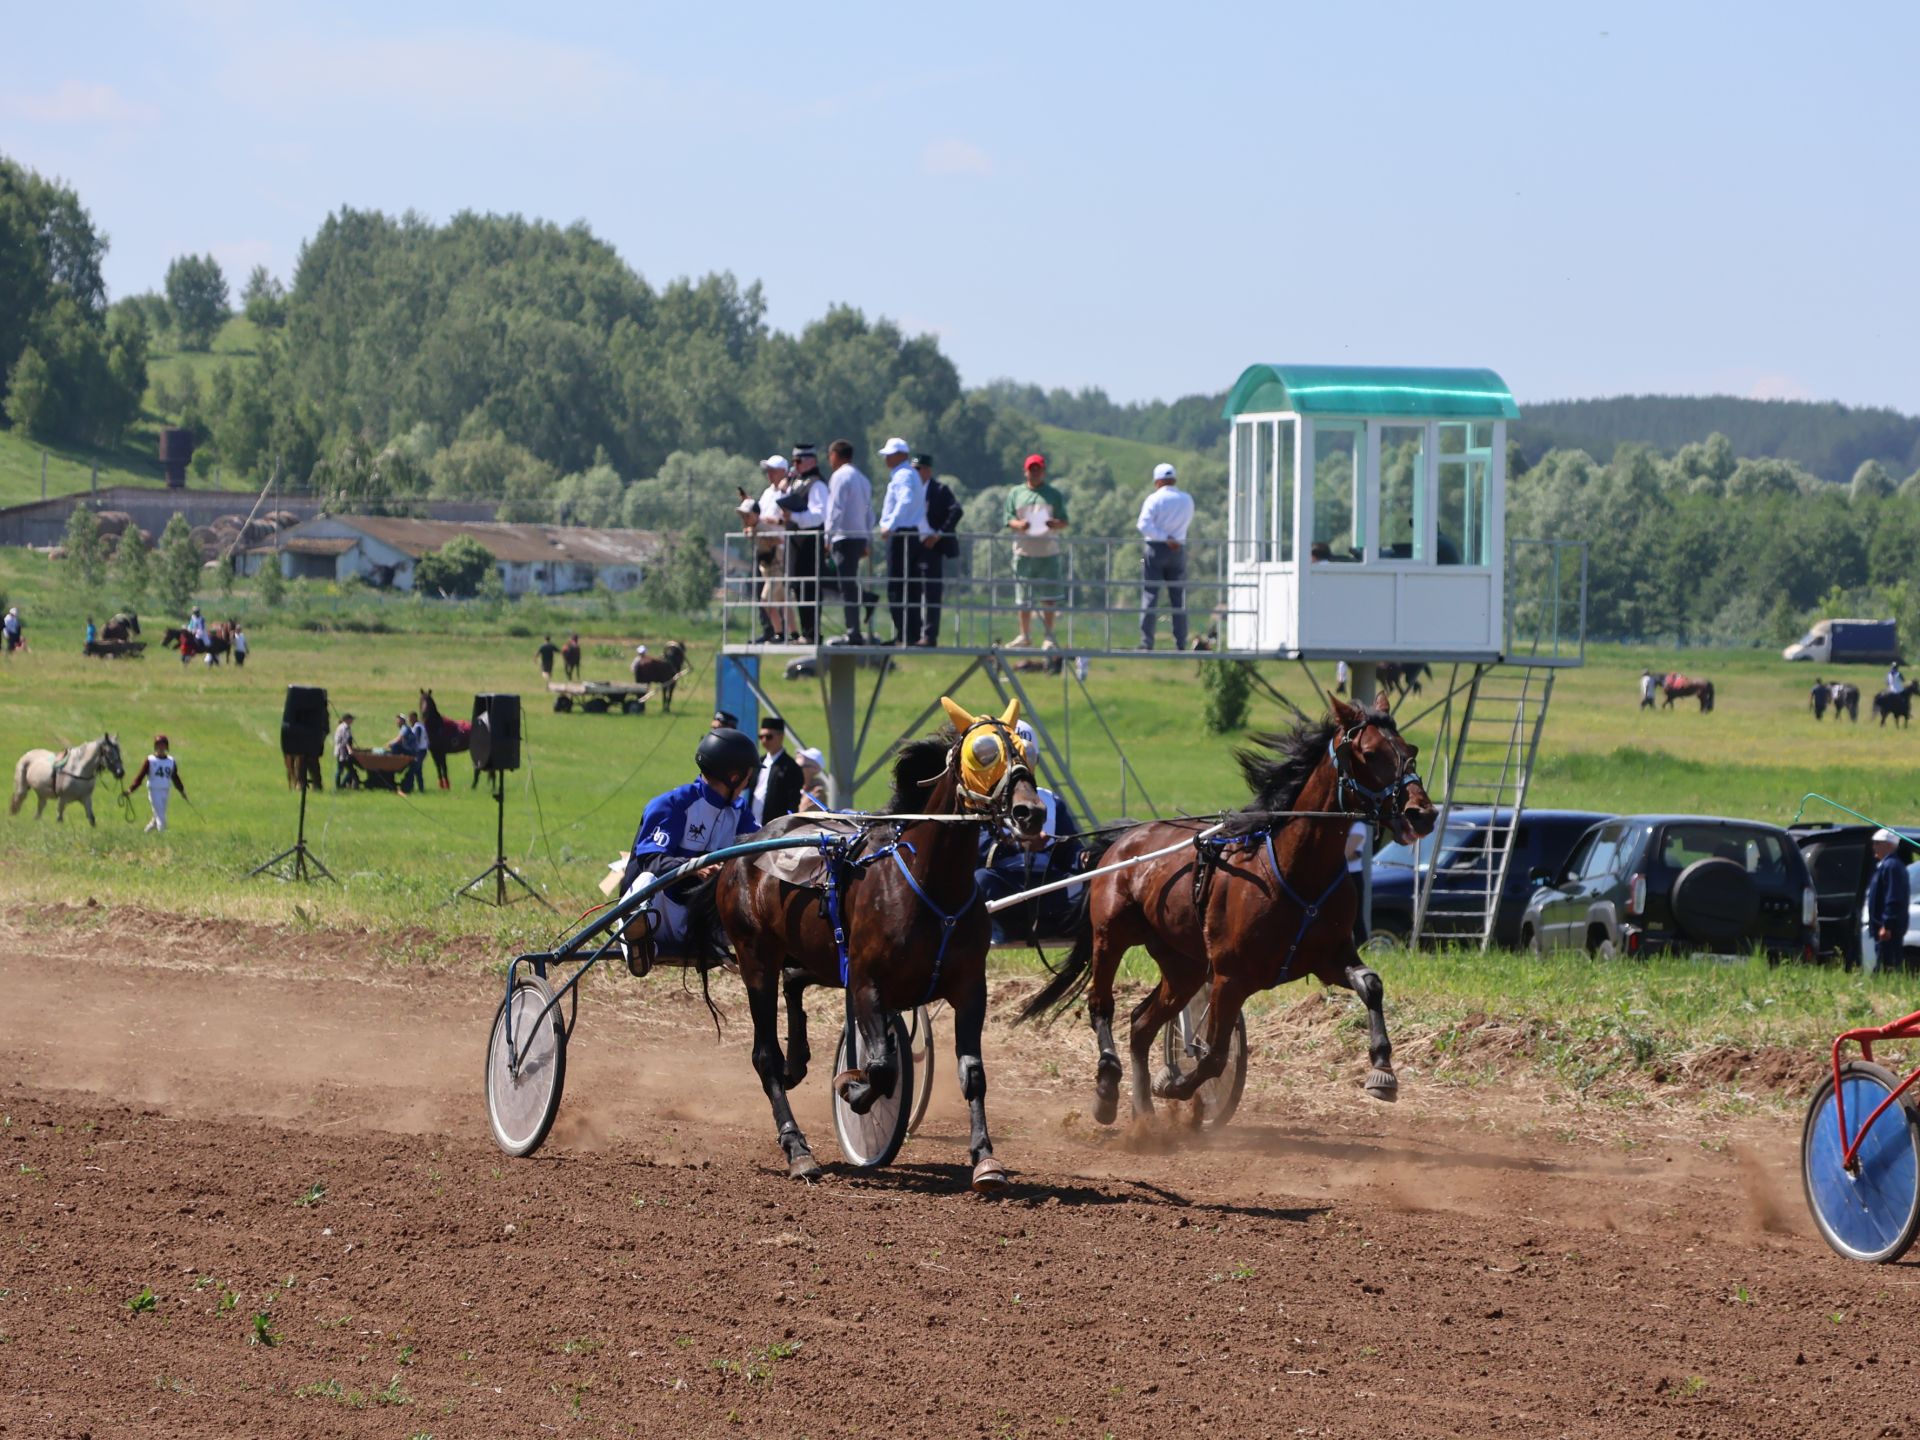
(197, 299)
(132, 570)
(456, 569)
(1870, 482)
(264, 299)
(177, 573)
(1227, 686)
(270, 582)
(86, 555)
(682, 581)
(33, 401)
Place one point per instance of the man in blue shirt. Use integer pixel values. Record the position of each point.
(1887, 901)
(1007, 869)
(903, 521)
(694, 819)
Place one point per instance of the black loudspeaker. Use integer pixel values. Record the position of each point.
(303, 724)
(496, 733)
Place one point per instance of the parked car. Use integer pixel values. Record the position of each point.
(1542, 842)
(1910, 950)
(1646, 883)
(1840, 859)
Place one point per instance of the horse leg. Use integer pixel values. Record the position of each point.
(1107, 954)
(86, 803)
(1223, 1008)
(763, 1005)
(863, 1083)
(1382, 1084)
(794, 982)
(969, 1020)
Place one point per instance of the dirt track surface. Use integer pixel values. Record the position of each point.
(1460, 1264)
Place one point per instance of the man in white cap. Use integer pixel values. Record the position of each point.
(1888, 897)
(849, 527)
(1164, 518)
(777, 624)
(639, 660)
(903, 521)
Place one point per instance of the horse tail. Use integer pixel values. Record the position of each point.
(19, 786)
(1068, 982)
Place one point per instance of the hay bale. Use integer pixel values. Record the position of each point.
(113, 522)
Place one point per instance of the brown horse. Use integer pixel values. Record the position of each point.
(903, 896)
(219, 641)
(662, 670)
(1679, 687)
(444, 737)
(1266, 901)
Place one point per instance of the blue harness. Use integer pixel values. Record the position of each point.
(1309, 909)
(833, 852)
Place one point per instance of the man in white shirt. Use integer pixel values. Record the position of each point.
(1896, 682)
(1163, 522)
(777, 624)
(849, 528)
(1359, 837)
(903, 521)
(805, 504)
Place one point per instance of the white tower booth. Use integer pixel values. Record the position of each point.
(1366, 512)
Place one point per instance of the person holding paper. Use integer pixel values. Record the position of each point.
(1035, 512)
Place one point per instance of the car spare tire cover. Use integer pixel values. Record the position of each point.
(1714, 901)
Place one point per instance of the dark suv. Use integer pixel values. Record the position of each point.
(1463, 878)
(1840, 858)
(1645, 883)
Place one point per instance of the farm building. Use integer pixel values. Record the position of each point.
(383, 549)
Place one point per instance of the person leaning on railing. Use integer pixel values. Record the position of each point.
(1164, 518)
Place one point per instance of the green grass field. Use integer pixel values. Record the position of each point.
(1130, 461)
(574, 806)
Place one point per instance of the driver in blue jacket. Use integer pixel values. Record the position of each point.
(1007, 869)
(1887, 900)
(689, 820)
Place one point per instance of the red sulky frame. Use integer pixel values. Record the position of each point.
(1907, 1027)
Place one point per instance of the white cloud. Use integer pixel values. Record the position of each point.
(75, 103)
(955, 157)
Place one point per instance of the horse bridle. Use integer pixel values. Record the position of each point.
(1377, 806)
(993, 802)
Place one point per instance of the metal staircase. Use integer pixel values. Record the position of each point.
(1488, 741)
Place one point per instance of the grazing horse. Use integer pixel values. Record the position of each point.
(898, 923)
(219, 641)
(444, 737)
(65, 777)
(1265, 901)
(123, 626)
(1679, 687)
(1897, 708)
(1402, 678)
(663, 671)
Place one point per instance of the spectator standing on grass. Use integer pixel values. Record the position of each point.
(813, 780)
(849, 528)
(92, 634)
(546, 653)
(1036, 513)
(939, 543)
(1647, 686)
(161, 772)
(344, 775)
(805, 503)
(239, 644)
(1358, 835)
(12, 628)
(1822, 696)
(1887, 900)
(570, 656)
(903, 523)
(1342, 673)
(417, 748)
(1164, 517)
(778, 782)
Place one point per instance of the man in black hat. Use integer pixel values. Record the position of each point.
(806, 505)
(943, 519)
(724, 720)
(778, 781)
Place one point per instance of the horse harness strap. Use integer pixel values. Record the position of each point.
(1210, 851)
(834, 852)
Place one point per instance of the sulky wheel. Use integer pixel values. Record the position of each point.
(1181, 1044)
(522, 1100)
(1872, 1211)
(875, 1137)
(920, 1043)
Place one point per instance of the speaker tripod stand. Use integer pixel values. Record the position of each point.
(299, 853)
(499, 872)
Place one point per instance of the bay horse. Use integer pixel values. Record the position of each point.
(1679, 687)
(1402, 678)
(662, 670)
(219, 641)
(444, 737)
(1265, 901)
(65, 777)
(1897, 708)
(909, 915)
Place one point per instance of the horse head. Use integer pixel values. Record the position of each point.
(995, 773)
(110, 756)
(1374, 771)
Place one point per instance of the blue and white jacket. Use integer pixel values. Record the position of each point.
(686, 821)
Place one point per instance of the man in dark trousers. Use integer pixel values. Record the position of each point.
(943, 519)
(805, 502)
(546, 652)
(1887, 901)
(778, 782)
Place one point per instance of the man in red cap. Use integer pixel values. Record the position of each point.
(1036, 513)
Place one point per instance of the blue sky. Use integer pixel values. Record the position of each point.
(1592, 199)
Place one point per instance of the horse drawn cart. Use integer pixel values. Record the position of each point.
(526, 1065)
(383, 768)
(114, 649)
(597, 697)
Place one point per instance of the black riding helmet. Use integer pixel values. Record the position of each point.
(725, 755)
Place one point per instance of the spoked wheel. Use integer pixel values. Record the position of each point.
(1872, 1211)
(522, 1100)
(1182, 1046)
(875, 1137)
(920, 1042)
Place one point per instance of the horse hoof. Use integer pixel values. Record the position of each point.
(1382, 1085)
(989, 1176)
(856, 1092)
(795, 1074)
(802, 1166)
(1163, 1085)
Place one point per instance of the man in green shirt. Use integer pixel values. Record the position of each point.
(1036, 513)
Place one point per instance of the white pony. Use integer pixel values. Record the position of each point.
(65, 777)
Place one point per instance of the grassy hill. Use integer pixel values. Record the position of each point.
(1130, 461)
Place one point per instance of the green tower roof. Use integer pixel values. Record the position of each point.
(1372, 390)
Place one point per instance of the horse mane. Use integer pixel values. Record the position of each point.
(1278, 764)
(915, 764)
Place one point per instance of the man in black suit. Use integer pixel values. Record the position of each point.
(777, 783)
(943, 519)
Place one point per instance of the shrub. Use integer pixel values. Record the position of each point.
(1228, 685)
(458, 568)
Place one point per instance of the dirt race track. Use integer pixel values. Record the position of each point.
(1464, 1263)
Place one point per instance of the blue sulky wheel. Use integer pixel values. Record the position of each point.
(875, 1137)
(1872, 1211)
(522, 1100)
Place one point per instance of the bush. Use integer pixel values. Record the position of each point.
(681, 582)
(1228, 684)
(270, 582)
(457, 569)
(86, 555)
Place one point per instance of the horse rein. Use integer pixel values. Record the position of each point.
(1376, 806)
